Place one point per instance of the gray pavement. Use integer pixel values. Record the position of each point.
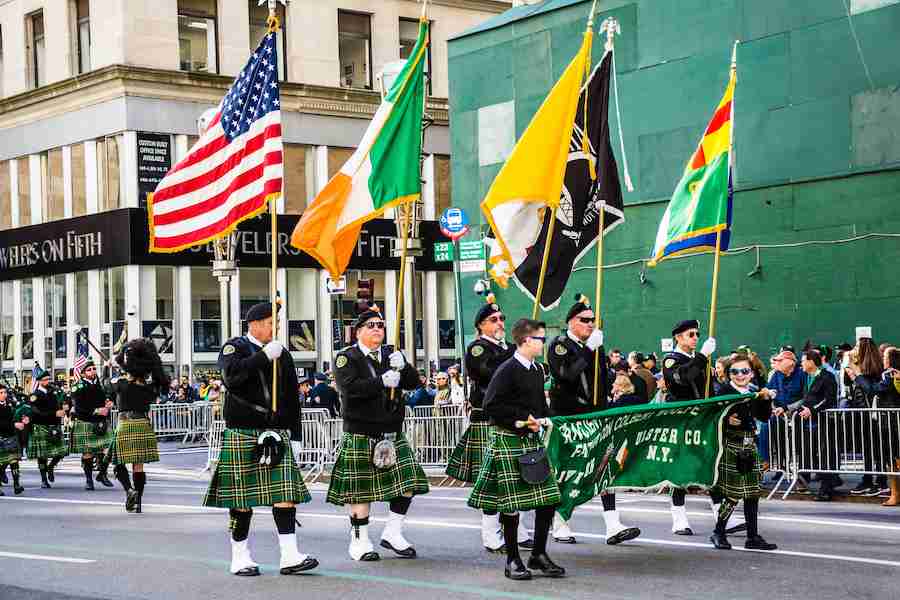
(68, 544)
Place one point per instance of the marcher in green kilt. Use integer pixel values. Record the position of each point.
(739, 470)
(91, 434)
(465, 461)
(500, 487)
(83, 438)
(11, 455)
(240, 481)
(355, 480)
(46, 442)
(10, 450)
(134, 443)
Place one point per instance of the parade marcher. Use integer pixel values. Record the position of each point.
(515, 402)
(91, 434)
(45, 443)
(684, 370)
(571, 358)
(740, 467)
(483, 356)
(256, 465)
(375, 463)
(10, 452)
(135, 441)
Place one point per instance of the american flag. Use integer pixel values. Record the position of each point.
(233, 169)
(35, 371)
(81, 357)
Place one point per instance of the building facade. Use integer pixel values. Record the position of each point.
(817, 158)
(98, 98)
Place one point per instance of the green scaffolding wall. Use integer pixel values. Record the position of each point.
(817, 145)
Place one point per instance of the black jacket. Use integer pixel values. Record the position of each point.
(821, 394)
(366, 402)
(87, 397)
(888, 396)
(514, 393)
(862, 390)
(324, 396)
(483, 358)
(747, 412)
(7, 420)
(133, 397)
(685, 376)
(247, 374)
(572, 368)
(43, 408)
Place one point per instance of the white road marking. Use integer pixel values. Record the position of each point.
(63, 559)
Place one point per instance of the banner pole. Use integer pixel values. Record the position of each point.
(405, 209)
(540, 289)
(598, 297)
(712, 306)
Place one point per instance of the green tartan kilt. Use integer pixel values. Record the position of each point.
(733, 484)
(356, 480)
(500, 486)
(42, 445)
(134, 443)
(10, 456)
(465, 462)
(82, 438)
(241, 482)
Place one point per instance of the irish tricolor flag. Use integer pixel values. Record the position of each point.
(700, 208)
(382, 173)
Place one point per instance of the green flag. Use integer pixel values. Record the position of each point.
(638, 447)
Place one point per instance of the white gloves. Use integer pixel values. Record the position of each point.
(296, 448)
(709, 346)
(391, 379)
(397, 360)
(596, 340)
(273, 350)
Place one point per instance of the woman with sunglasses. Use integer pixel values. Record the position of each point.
(483, 356)
(739, 467)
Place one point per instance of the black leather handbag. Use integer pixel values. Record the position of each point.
(534, 467)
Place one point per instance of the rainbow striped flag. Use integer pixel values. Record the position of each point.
(700, 207)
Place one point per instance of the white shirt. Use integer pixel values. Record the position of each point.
(574, 338)
(255, 341)
(366, 351)
(501, 343)
(680, 351)
(524, 361)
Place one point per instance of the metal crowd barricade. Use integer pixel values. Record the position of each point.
(849, 441)
(433, 438)
(214, 441)
(314, 442)
(188, 421)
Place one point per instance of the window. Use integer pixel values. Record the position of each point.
(27, 299)
(7, 322)
(259, 16)
(54, 197)
(112, 284)
(299, 174)
(409, 34)
(197, 35)
(108, 152)
(302, 286)
(36, 50)
(1, 62)
(442, 189)
(5, 195)
(83, 37)
(79, 183)
(81, 299)
(337, 158)
(24, 191)
(355, 49)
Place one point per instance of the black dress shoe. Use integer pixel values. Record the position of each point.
(18, 490)
(516, 571)
(408, 553)
(527, 544)
(45, 485)
(500, 550)
(565, 540)
(623, 536)
(685, 531)
(103, 478)
(737, 528)
(547, 567)
(370, 557)
(50, 476)
(248, 572)
(758, 543)
(1, 493)
(131, 500)
(89, 485)
(720, 541)
(306, 565)
(3, 479)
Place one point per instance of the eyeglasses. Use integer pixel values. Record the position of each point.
(743, 371)
(692, 334)
(375, 325)
(497, 318)
(586, 320)
(539, 338)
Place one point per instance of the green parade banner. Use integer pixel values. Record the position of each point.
(637, 447)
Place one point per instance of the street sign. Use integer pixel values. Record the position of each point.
(336, 287)
(666, 344)
(471, 266)
(471, 250)
(454, 223)
(443, 252)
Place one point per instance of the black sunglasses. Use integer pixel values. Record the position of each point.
(538, 337)
(496, 318)
(742, 371)
(375, 325)
(586, 320)
(692, 334)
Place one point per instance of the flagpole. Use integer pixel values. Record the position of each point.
(274, 25)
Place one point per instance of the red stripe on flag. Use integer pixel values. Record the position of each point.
(201, 181)
(722, 116)
(235, 214)
(210, 204)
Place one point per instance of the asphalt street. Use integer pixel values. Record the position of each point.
(68, 544)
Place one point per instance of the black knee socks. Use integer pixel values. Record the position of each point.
(239, 523)
(609, 501)
(284, 519)
(53, 462)
(751, 514)
(400, 505)
(14, 470)
(678, 495)
(42, 467)
(543, 519)
(716, 496)
(140, 480)
(121, 473)
(510, 525)
(725, 510)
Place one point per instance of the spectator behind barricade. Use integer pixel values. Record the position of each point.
(186, 393)
(457, 387)
(760, 372)
(661, 392)
(827, 353)
(889, 397)
(862, 377)
(443, 393)
(422, 395)
(623, 392)
(172, 394)
(787, 379)
(720, 380)
(303, 388)
(323, 395)
(616, 360)
(650, 363)
(646, 387)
